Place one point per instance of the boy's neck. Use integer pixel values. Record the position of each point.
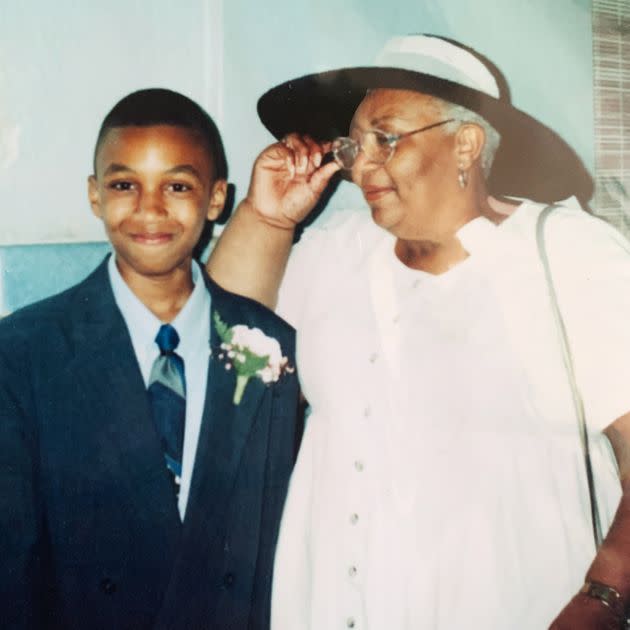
(164, 295)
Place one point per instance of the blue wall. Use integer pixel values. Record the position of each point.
(32, 272)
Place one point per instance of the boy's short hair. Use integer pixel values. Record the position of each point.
(158, 106)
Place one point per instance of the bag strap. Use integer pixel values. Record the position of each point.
(568, 364)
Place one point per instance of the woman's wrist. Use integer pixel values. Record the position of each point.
(611, 565)
(609, 597)
(277, 222)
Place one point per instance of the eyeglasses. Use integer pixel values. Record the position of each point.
(377, 145)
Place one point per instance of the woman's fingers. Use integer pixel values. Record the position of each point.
(288, 178)
(306, 154)
(297, 160)
(321, 177)
(318, 175)
(300, 152)
(315, 153)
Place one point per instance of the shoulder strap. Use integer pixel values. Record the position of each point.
(568, 364)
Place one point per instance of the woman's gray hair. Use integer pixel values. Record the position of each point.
(463, 115)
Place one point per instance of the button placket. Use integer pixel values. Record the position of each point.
(352, 562)
(353, 556)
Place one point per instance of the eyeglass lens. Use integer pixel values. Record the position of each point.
(375, 144)
(345, 151)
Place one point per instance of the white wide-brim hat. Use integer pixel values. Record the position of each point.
(532, 161)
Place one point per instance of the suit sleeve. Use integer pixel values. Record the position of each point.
(20, 513)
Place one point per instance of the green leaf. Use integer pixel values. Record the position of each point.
(254, 362)
(223, 330)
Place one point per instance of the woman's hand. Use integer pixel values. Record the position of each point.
(288, 179)
(586, 613)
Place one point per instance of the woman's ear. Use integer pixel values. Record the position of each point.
(218, 195)
(469, 142)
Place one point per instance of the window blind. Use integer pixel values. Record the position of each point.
(611, 82)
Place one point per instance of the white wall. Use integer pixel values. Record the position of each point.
(63, 64)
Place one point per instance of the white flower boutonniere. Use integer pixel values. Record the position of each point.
(249, 352)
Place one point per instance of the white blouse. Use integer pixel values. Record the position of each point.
(440, 483)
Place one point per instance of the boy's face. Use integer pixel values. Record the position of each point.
(153, 189)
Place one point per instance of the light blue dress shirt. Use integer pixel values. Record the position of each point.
(193, 326)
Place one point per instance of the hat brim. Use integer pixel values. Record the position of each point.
(532, 161)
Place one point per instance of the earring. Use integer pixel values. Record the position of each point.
(462, 178)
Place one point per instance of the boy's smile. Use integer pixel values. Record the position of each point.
(154, 189)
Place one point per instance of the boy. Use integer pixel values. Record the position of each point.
(138, 489)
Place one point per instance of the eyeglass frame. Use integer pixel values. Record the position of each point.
(391, 139)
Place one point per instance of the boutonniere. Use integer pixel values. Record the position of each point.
(250, 353)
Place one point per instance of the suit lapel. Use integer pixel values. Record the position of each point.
(224, 430)
(107, 371)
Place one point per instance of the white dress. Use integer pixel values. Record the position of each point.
(440, 482)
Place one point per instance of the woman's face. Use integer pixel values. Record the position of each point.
(412, 195)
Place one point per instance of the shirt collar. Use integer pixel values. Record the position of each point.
(478, 235)
(143, 325)
(194, 318)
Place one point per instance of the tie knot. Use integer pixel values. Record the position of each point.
(167, 339)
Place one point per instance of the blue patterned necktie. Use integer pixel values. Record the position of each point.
(167, 394)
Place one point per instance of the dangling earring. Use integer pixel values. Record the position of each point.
(462, 177)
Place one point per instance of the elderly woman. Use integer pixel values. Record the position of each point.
(441, 482)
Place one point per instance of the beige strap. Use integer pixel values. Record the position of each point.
(568, 363)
